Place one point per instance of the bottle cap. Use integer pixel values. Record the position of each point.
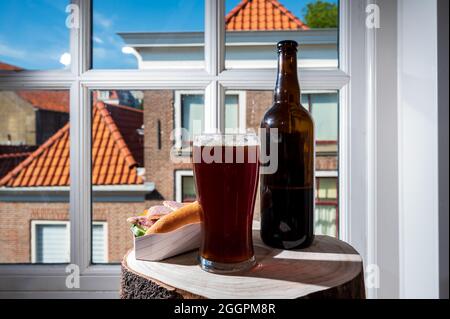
(287, 45)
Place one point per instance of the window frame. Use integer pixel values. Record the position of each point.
(179, 174)
(34, 224)
(356, 61)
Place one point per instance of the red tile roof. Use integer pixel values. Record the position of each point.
(47, 166)
(113, 162)
(128, 120)
(57, 101)
(262, 15)
(9, 67)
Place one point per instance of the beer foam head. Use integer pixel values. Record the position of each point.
(249, 139)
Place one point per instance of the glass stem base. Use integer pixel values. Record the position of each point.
(226, 268)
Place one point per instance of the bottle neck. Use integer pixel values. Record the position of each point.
(287, 89)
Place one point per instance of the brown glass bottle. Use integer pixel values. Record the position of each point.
(287, 196)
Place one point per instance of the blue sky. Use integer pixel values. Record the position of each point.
(33, 33)
(42, 37)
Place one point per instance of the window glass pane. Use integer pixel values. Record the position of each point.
(140, 167)
(326, 206)
(134, 160)
(192, 112)
(34, 173)
(142, 34)
(325, 113)
(257, 103)
(327, 188)
(99, 243)
(188, 188)
(305, 100)
(254, 27)
(33, 35)
(231, 113)
(51, 243)
(325, 220)
(192, 107)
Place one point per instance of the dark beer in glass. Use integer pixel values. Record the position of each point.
(226, 170)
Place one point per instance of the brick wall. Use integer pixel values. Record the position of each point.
(257, 104)
(158, 106)
(15, 227)
(120, 239)
(16, 218)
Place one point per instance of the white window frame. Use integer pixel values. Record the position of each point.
(355, 169)
(179, 174)
(35, 223)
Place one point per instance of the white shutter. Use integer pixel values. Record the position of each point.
(98, 244)
(52, 243)
(231, 113)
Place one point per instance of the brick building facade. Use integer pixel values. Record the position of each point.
(16, 222)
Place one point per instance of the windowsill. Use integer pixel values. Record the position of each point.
(183, 152)
(110, 193)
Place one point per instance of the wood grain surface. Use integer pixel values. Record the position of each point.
(330, 268)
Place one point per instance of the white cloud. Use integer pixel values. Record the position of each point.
(102, 21)
(31, 56)
(97, 40)
(11, 52)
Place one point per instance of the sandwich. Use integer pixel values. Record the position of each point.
(165, 218)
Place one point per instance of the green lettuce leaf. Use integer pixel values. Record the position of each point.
(137, 230)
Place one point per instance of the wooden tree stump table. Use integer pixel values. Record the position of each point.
(329, 268)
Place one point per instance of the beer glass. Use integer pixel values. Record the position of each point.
(226, 172)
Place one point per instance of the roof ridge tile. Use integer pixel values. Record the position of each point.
(259, 15)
